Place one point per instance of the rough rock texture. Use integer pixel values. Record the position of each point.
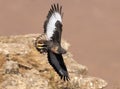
(23, 67)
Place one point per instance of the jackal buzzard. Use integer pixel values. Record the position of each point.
(50, 41)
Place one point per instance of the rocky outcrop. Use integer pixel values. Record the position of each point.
(23, 67)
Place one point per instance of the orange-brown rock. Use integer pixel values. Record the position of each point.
(23, 67)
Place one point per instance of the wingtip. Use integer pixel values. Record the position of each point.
(52, 7)
(64, 75)
(65, 78)
(56, 7)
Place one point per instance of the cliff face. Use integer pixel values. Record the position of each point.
(23, 67)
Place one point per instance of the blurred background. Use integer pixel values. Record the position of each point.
(92, 27)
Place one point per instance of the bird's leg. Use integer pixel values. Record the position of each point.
(40, 43)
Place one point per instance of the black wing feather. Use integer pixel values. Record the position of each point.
(57, 62)
(61, 10)
(58, 7)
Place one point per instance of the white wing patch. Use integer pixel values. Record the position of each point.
(51, 24)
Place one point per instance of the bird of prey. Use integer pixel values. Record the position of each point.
(50, 41)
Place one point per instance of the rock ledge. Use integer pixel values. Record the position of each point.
(23, 67)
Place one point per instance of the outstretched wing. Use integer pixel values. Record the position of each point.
(57, 62)
(53, 23)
